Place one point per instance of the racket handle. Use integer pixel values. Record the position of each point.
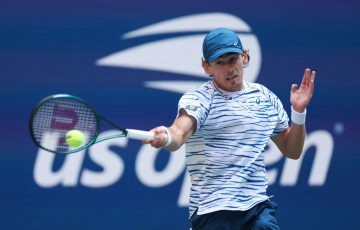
(139, 134)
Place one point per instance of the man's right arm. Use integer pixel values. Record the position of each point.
(182, 128)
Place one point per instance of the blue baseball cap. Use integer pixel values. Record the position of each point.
(220, 41)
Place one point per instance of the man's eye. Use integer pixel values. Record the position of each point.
(220, 62)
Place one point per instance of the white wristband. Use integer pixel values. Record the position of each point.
(169, 139)
(298, 118)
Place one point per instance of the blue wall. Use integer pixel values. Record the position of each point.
(55, 47)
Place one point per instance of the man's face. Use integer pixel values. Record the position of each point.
(227, 71)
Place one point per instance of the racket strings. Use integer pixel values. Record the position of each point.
(56, 116)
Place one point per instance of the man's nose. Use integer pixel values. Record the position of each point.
(230, 67)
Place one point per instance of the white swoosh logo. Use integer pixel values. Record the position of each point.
(192, 23)
(182, 54)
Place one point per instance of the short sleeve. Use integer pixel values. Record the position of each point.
(196, 104)
(283, 119)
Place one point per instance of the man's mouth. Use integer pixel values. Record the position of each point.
(232, 77)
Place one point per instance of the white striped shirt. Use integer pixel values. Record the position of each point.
(225, 156)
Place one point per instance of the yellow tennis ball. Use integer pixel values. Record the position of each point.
(74, 138)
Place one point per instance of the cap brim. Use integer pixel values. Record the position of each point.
(218, 53)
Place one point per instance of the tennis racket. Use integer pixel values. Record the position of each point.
(54, 116)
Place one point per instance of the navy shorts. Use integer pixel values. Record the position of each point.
(261, 216)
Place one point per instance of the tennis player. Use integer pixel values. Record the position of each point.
(226, 124)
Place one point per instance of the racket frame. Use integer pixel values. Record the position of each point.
(98, 118)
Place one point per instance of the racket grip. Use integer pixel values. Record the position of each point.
(139, 134)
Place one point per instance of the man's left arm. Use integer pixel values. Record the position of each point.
(291, 140)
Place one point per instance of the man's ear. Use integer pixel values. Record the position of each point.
(206, 67)
(246, 58)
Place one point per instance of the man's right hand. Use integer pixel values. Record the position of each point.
(160, 137)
